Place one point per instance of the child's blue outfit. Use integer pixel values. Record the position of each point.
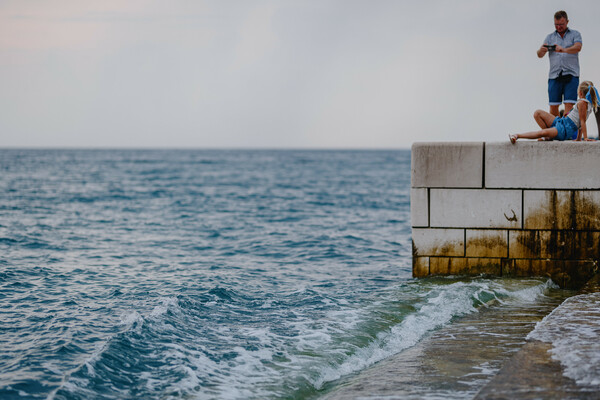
(567, 130)
(568, 126)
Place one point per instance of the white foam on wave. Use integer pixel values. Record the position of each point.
(245, 376)
(437, 309)
(529, 294)
(317, 349)
(442, 305)
(313, 348)
(166, 303)
(131, 321)
(573, 329)
(347, 319)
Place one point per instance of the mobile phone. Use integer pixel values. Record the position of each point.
(550, 47)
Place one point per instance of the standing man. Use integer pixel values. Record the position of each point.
(563, 47)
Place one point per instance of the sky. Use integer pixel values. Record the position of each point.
(277, 74)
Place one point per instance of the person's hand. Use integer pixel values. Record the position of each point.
(542, 51)
(559, 49)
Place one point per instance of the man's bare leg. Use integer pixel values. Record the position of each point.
(568, 107)
(554, 110)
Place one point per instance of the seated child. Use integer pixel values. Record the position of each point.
(564, 128)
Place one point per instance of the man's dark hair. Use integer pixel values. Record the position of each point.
(561, 14)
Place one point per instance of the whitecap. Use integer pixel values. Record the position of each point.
(439, 309)
(166, 303)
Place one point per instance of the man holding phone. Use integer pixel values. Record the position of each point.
(563, 47)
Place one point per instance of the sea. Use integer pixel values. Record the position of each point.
(236, 274)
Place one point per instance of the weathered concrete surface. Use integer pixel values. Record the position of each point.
(548, 209)
(561, 209)
(486, 243)
(420, 267)
(464, 266)
(534, 267)
(475, 208)
(541, 244)
(419, 207)
(536, 208)
(587, 245)
(542, 165)
(438, 242)
(565, 273)
(532, 374)
(587, 208)
(577, 271)
(447, 164)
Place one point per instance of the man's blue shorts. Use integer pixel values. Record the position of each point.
(557, 89)
(567, 130)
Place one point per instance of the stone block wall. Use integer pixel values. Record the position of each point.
(529, 209)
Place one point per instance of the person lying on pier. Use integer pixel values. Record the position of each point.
(571, 126)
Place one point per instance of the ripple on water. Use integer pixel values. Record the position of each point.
(211, 274)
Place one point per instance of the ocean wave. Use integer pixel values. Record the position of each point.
(573, 329)
(211, 274)
(438, 308)
(83, 380)
(321, 339)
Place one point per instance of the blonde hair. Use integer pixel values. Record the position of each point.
(586, 87)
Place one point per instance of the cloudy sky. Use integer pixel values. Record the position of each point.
(277, 74)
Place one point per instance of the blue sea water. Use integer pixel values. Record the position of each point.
(211, 274)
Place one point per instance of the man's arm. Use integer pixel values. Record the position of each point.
(542, 51)
(576, 48)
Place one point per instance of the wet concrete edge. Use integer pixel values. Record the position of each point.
(533, 374)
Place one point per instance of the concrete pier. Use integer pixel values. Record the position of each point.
(528, 209)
